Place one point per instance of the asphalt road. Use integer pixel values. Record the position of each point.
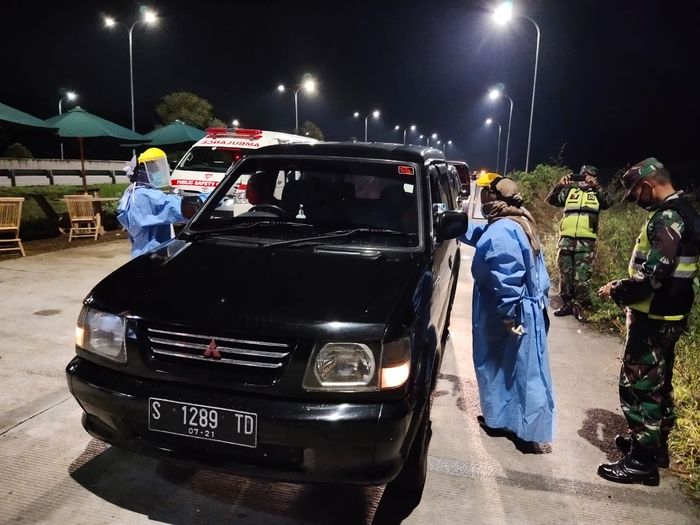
(51, 471)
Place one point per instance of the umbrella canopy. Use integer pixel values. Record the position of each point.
(16, 117)
(176, 133)
(81, 124)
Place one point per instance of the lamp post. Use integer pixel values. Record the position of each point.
(501, 16)
(308, 84)
(68, 95)
(235, 123)
(374, 114)
(488, 122)
(495, 94)
(434, 136)
(148, 17)
(412, 127)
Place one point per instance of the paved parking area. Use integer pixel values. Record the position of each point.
(51, 471)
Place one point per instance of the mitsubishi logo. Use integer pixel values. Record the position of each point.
(212, 351)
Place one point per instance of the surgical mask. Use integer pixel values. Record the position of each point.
(646, 196)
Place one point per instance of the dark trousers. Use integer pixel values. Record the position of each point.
(646, 389)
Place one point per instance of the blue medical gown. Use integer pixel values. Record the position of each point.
(515, 383)
(147, 214)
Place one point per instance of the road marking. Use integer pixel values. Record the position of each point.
(541, 483)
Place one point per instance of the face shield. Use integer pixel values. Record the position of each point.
(158, 172)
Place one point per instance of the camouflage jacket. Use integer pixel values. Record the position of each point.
(651, 266)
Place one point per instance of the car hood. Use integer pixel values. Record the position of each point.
(221, 286)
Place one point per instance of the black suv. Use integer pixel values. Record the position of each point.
(298, 339)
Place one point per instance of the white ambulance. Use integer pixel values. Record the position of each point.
(206, 163)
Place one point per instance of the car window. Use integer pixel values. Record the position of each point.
(330, 195)
(444, 187)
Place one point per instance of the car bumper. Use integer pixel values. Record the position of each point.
(364, 443)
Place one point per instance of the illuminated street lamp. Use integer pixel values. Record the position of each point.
(434, 136)
(495, 94)
(148, 17)
(70, 96)
(374, 114)
(502, 15)
(235, 123)
(412, 127)
(488, 122)
(308, 84)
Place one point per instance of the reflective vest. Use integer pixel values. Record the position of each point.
(674, 299)
(581, 210)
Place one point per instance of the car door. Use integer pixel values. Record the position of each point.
(443, 252)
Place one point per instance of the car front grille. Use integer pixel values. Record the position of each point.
(234, 352)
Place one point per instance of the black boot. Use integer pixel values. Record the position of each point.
(624, 444)
(579, 313)
(639, 466)
(564, 310)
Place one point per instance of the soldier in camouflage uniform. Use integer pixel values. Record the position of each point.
(658, 296)
(582, 199)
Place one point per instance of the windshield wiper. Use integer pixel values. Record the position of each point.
(340, 234)
(247, 225)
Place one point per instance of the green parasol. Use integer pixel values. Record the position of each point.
(81, 124)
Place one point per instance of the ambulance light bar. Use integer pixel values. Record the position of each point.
(215, 132)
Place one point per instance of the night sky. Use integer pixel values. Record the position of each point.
(614, 81)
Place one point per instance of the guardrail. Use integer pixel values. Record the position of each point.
(37, 172)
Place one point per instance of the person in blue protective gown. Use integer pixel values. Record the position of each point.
(144, 210)
(509, 317)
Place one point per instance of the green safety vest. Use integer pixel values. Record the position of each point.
(673, 300)
(581, 210)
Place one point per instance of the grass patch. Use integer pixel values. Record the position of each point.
(619, 228)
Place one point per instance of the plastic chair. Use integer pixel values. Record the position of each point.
(10, 216)
(84, 220)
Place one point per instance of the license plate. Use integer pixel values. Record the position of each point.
(203, 422)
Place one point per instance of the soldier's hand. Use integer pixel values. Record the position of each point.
(566, 179)
(604, 291)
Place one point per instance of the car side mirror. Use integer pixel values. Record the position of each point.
(451, 224)
(190, 206)
(464, 191)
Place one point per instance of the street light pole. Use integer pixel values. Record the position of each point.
(510, 120)
(498, 151)
(149, 17)
(70, 95)
(488, 122)
(494, 94)
(374, 114)
(296, 111)
(502, 14)
(534, 86)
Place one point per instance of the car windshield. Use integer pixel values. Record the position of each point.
(209, 158)
(350, 202)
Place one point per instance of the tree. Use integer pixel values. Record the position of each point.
(18, 151)
(309, 129)
(217, 123)
(187, 107)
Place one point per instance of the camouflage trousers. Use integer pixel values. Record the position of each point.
(575, 261)
(646, 391)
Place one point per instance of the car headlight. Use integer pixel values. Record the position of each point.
(101, 333)
(352, 367)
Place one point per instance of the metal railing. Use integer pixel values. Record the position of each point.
(38, 172)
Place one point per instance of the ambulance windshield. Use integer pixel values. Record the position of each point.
(208, 158)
